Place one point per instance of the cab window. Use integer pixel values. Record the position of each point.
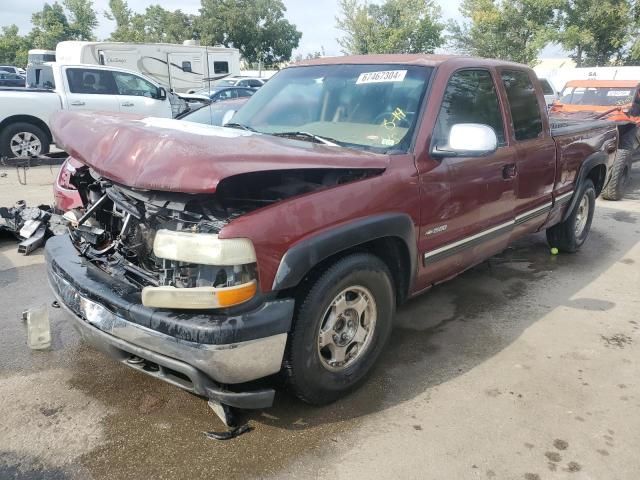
(546, 87)
(470, 97)
(93, 82)
(523, 104)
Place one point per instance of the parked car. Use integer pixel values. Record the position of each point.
(617, 101)
(549, 91)
(240, 81)
(210, 257)
(235, 81)
(217, 94)
(24, 115)
(66, 195)
(11, 80)
(12, 69)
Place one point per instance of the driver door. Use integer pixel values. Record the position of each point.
(137, 95)
(472, 216)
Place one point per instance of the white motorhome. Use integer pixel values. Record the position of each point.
(178, 67)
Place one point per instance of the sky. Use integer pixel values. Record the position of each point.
(314, 18)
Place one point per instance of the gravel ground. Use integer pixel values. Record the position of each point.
(525, 367)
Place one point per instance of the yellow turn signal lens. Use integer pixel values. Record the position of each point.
(198, 297)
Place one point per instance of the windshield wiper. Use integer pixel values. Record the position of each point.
(241, 126)
(317, 138)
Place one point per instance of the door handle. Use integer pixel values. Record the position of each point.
(509, 171)
(77, 103)
(128, 104)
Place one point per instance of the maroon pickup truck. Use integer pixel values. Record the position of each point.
(283, 243)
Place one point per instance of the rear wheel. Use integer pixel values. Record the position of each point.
(569, 235)
(620, 173)
(341, 325)
(23, 140)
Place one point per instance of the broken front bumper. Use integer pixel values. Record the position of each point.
(194, 351)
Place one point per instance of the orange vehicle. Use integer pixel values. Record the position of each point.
(614, 100)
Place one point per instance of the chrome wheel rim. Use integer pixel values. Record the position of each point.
(347, 328)
(25, 144)
(581, 216)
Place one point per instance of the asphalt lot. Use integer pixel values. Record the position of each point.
(525, 367)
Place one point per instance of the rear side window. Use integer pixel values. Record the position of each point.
(470, 97)
(93, 82)
(546, 88)
(523, 103)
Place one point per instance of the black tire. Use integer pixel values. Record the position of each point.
(11, 130)
(620, 173)
(563, 236)
(306, 374)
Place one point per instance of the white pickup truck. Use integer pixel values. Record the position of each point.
(24, 113)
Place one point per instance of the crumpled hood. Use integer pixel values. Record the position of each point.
(173, 155)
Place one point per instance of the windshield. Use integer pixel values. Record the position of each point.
(600, 96)
(374, 107)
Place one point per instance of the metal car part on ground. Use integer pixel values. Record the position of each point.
(31, 225)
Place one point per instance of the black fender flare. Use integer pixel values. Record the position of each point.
(592, 161)
(306, 254)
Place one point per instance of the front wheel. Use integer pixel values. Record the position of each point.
(23, 140)
(342, 322)
(569, 235)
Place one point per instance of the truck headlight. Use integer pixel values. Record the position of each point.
(203, 248)
(209, 272)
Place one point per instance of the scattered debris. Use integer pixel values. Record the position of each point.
(55, 304)
(618, 340)
(31, 225)
(23, 164)
(3, 174)
(229, 434)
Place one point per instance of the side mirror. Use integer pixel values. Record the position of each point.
(468, 140)
(228, 116)
(162, 93)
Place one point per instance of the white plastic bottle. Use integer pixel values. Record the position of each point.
(38, 330)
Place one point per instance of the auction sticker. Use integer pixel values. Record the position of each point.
(619, 93)
(380, 77)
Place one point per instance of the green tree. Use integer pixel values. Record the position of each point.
(514, 30)
(120, 13)
(13, 47)
(82, 19)
(162, 25)
(156, 24)
(395, 26)
(76, 20)
(596, 32)
(50, 26)
(258, 28)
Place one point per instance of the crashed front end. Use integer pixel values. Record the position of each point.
(148, 281)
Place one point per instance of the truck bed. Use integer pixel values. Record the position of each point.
(564, 126)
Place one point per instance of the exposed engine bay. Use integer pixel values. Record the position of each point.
(118, 225)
